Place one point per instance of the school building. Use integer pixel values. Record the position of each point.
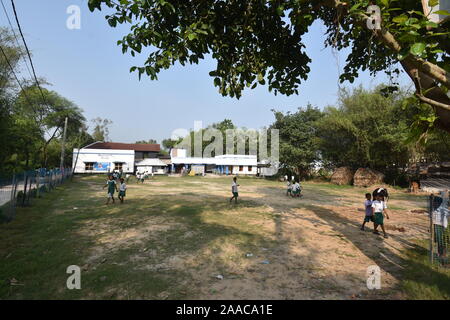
(223, 164)
(104, 157)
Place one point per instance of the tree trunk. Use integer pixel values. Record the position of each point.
(423, 83)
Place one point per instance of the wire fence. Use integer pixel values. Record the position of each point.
(439, 230)
(21, 189)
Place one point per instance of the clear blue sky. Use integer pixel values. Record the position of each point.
(87, 67)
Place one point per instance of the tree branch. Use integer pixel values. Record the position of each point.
(432, 102)
(426, 67)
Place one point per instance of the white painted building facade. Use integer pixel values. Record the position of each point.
(151, 166)
(102, 160)
(223, 164)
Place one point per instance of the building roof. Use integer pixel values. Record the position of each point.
(223, 160)
(154, 162)
(125, 146)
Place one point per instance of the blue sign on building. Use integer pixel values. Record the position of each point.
(101, 166)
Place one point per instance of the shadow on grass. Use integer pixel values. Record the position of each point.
(47, 238)
(418, 279)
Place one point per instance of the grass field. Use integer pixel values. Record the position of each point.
(173, 236)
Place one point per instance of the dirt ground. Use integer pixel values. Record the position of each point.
(317, 250)
(181, 238)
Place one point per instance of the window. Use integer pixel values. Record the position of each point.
(118, 165)
(241, 168)
(250, 168)
(89, 166)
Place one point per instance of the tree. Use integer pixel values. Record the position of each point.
(298, 143)
(31, 118)
(9, 57)
(101, 129)
(260, 41)
(169, 143)
(366, 129)
(150, 141)
(45, 111)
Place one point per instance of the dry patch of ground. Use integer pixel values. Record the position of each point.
(181, 238)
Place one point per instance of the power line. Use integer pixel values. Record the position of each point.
(15, 76)
(15, 36)
(28, 53)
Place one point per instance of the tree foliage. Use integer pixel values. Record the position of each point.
(101, 129)
(366, 129)
(32, 119)
(261, 41)
(149, 141)
(299, 148)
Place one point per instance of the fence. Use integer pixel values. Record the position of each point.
(21, 188)
(439, 229)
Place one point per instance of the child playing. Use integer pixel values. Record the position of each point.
(379, 211)
(289, 189)
(296, 190)
(234, 190)
(122, 190)
(112, 186)
(368, 209)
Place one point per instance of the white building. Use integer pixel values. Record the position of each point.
(223, 164)
(152, 166)
(104, 157)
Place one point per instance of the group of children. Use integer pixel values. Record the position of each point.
(111, 184)
(294, 189)
(376, 210)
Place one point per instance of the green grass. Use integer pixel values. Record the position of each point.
(38, 246)
(130, 251)
(421, 280)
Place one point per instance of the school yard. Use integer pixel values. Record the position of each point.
(175, 237)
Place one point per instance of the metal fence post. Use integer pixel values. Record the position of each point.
(38, 176)
(431, 230)
(12, 211)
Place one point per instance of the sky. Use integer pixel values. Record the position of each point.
(86, 66)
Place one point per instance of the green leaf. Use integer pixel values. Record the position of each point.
(260, 77)
(385, 3)
(112, 22)
(280, 10)
(431, 24)
(94, 4)
(442, 13)
(400, 19)
(433, 3)
(418, 48)
(354, 7)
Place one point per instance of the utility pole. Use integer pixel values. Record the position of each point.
(63, 146)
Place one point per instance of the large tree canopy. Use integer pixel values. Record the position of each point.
(260, 41)
(298, 143)
(31, 118)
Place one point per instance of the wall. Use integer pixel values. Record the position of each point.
(103, 156)
(245, 170)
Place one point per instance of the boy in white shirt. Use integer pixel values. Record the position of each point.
(379, 211)
(122, 190)
(234, 190)
(296, 189)
(289, 189)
